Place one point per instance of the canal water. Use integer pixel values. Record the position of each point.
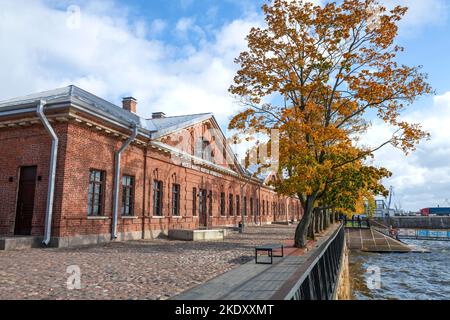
(406, 276)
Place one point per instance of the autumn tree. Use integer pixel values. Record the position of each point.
(354, 185)
(318, 74)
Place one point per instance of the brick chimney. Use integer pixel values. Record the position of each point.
(158, 115)
(129, 104)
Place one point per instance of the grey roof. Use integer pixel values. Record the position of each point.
(50, 94)
(175, 121)
(88, 102)
(166, 125)
(252, 171)
(107, 107)
(73, 94)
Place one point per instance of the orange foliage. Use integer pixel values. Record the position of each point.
(329, 66)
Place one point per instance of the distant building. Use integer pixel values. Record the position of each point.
(439, 211)
(382, 210)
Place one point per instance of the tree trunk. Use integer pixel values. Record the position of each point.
(316, 221)
(301, 232)
(320, 220)
(326, 218)
(311, 234)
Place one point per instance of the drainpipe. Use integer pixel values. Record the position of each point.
(117, 180)
(144, 196)
(52, 173)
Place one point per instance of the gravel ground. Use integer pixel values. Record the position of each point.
(156, 269)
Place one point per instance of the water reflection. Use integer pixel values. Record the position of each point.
(405, 276)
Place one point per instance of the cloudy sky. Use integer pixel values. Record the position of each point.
(177, 56)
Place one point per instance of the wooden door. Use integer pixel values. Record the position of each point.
(25, 201)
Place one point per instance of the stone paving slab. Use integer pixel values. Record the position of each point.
(218, 287)
(150, 269)
(252, 281)
(249, 295)
(274, 276)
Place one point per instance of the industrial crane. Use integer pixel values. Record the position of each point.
(391, 192)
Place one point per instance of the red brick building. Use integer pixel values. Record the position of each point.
(175, 172)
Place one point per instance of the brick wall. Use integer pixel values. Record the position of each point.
(89, 149)
(29, 146)
(83, 148)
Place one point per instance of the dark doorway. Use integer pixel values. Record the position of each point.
(25, 201)
(203, 212)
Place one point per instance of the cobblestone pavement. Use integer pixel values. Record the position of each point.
(156, 269)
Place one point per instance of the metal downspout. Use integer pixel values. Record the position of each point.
(117, 180)
(52, 172)
(144, 196)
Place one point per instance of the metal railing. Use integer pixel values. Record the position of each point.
(317, 279)
(358, 224)
(423, 234)
(381, 228)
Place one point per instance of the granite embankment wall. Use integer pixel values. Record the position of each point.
(417, 222)
(344, 291)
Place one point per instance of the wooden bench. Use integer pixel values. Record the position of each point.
(269, 248)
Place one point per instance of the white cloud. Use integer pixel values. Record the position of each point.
(158, 26)
(420, 14)
(186, 3)
(184, 24)
(110, 56)
(187, 30)
(421, 179)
